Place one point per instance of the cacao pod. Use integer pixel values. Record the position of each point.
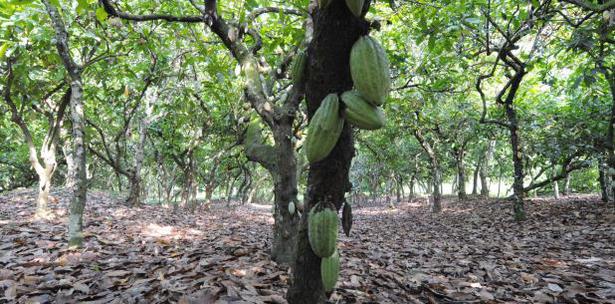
(361, 113)
(322, 231)
(298, 67)
(369, 68)
(291, 208)
(355, 6)
(329, 271)
(324, 129)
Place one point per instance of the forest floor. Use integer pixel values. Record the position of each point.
(471, 253)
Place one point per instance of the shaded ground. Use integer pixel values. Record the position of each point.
(472, 253)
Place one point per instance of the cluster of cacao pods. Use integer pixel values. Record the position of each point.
(369, 69)
(322, 235)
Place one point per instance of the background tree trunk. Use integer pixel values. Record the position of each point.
(475, 177)
(484, 169)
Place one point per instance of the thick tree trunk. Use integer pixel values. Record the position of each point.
(484, 169)
(335, 32)
(283, 249)
(518, 193)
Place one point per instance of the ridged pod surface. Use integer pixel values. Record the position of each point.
(355, 6)
(322, 231)
(369, 68)
(298, 67)
(324, 129)
(361, 113)
(329, 271)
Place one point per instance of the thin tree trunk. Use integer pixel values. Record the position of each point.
(484, 169)
(518, 193)
(475, 178)
(603, 183)
(461, 175)
(436, 176)
(566, 185)
(555, 184)
(77, 204)
(67, 150)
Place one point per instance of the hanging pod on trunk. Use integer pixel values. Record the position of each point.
(369, 68)
(322, 231)
(330, 270)
(361, 113)
(324, 129)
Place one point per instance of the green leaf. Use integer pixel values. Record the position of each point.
(3, 49)
(101, 14)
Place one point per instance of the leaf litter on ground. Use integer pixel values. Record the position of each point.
(473, 252)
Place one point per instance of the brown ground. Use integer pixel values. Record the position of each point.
(471, 253)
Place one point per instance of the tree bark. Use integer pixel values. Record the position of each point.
(518, 191)
(77, 204)
(328, 71)
(484, 169)
(67, 150)
(555, 184)
(566, 191)
(475, 177)
(604, 191)
(436, 173)
(461, 174)
(284, 245)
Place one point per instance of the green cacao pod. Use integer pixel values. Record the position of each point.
(322, 231)
(291, 208)
(298, 67)
(329, 271)
(324, 129)
(361, 113)
(355, 6)
(369, 68)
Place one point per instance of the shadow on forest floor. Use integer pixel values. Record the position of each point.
(472, 252)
